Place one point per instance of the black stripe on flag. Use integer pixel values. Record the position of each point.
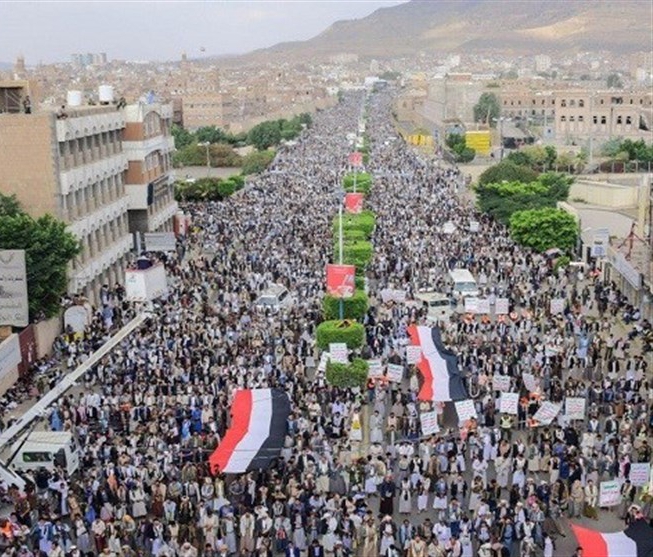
(272, 446)
(457, 387)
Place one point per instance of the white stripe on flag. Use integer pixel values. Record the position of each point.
(620, 545)
(257, 434)
(437, 363)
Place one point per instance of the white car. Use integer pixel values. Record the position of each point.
(275, 298)
(440, 306)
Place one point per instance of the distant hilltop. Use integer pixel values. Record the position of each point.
(511, 27)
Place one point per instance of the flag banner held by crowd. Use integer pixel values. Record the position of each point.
(501, 382)
(341, 280)
(256, 434)
(413, 354)
(465, 410)
(557, 306)
(501, 306)
(509, 403)
(634, 541)
(356, 158)
(375, 369)
(546, 413)
(395, 373)
(575, 408)
(471, 305)
(438, 366)
(639, 473)
(393, 295)
(339, 352)
(354, 203)
(530, 382)
(429, 421)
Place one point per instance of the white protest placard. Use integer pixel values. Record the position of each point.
(474, 226)
(530, 382)
(395, 373)
(546, 413)
(609, 493)
(339, 352)
(501, 306)
(509, 403)
(557, 305)
(429, 421)
(375, 369)
(639, 473)
(324, 359)
(575, 408)
(393, 295)
(413, 354)
(501, 382)
(471, 305)
(449, 227)
(483, 306)
(465, 410)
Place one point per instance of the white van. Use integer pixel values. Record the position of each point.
(276, 297)
(47, 449)
(440, 306)
(464, 283)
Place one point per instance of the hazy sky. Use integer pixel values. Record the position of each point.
(51, 31)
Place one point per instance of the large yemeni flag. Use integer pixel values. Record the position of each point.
(634, 541)
(438, 366)
(256, 434)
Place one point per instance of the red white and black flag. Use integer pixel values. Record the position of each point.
(256, 434)
(442, 381)
(634, 541)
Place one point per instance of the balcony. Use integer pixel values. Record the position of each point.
(85, 174)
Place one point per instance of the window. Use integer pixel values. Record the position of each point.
(580, 118)
(563, 102)
(595, 119)
(563, 118)
(603, 120)
(572, 118)
(629, 120)
(619, 120)
(33, 456)
(572, 102)
(581, 103)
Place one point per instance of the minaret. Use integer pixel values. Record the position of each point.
(19, 68)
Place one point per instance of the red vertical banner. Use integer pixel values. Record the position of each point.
(340, 280)
(354, 202)
(356, 158)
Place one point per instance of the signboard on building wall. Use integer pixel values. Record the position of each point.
(160, 241)
(14, 308)
(626, 270)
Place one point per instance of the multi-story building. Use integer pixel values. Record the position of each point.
(575, 115)
(72, 165)
(148, 146)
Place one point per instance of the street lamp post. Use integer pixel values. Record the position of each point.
(206, 144)
(341, 304)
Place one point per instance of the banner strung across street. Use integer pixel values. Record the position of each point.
(340, 280)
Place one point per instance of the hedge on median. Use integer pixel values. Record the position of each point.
(363, 222)
(349, 375)
(350, 332)
(353, 308)
(363, 182)
(358, 253)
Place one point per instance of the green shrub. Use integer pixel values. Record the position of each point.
(355, 253)
(257, 161)
(363, 182)
(350, 332)
(359, 282)
(364, 221)
(347, 375)
(353, 308)
(353, 235)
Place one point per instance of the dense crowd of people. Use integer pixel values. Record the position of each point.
(149, 415)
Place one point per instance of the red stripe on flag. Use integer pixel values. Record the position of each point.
(426, 391)
(592, 542)
(241, 411)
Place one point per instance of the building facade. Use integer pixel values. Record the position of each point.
(148, 146)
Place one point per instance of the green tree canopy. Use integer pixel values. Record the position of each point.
(458, 145)
(265, 135)
(507, 171)
(614, 81)
(257, 161)
(487, 109)
(9, 205)
(543, 229)
(49, 247)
